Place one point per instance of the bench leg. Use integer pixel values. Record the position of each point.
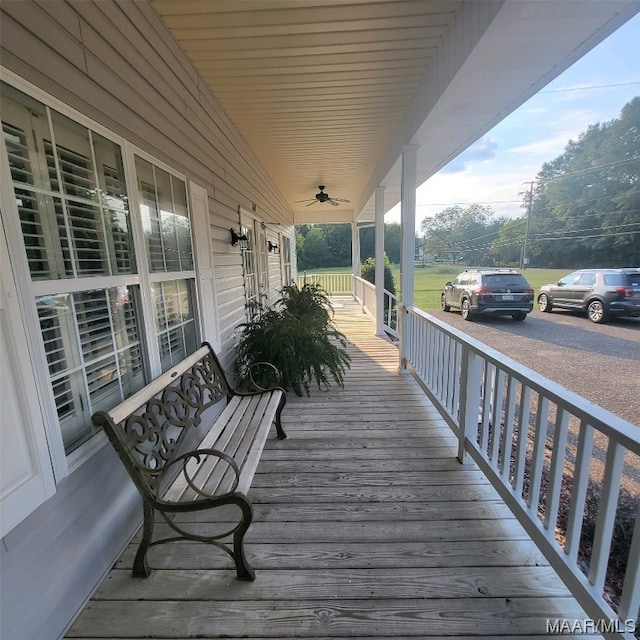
(279, 430)
(243, 568)
(140, 564)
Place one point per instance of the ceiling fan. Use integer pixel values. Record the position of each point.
(324, 197)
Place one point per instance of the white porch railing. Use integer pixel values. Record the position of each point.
(344, 284)
(540, 445)
(365, 293)
(543, 448)
(335, 284)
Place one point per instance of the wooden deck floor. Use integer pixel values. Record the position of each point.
(365, 526)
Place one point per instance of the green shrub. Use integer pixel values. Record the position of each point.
(298, 337)
(368, 273)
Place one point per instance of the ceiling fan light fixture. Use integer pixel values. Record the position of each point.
(322, 196)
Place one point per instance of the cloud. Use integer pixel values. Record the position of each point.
(548, 147)
(484, 149)
(548, 138)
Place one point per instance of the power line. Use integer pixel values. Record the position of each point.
(593, 86)
(451, 204)
(588, 169)
(592, 236)
(542, 235)
(462, 243)
(576, 234)
(503, 243)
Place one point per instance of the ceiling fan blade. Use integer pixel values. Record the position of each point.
(339, 199)
(313, 202)
(309, 200)
(333, 202)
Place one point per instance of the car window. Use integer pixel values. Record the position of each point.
(613, 279)
(572, 278)
(505, 280)
(587, 279)
(632, 280)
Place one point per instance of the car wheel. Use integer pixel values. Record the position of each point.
(465, 309)
(597, 312)
(443, 303)
(521, 315)
(544, 304)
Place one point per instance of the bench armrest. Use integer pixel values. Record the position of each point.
(266, 370)
(198, 456)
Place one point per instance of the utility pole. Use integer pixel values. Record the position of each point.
(524, 258)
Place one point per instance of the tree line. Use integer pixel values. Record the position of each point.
(582, 209)
(329, 245)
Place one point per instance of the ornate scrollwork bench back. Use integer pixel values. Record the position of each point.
(148, 429)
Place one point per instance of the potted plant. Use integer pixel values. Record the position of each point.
(297, 336)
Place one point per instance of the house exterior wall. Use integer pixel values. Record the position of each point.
(116, 64)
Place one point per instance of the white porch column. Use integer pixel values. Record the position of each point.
(407, 256)
(379, 277)
(355, 255)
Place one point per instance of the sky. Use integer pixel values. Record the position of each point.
(499, 166)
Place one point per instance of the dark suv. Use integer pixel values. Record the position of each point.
(503, 292)
(601, 293)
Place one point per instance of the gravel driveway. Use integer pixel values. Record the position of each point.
(599, 362)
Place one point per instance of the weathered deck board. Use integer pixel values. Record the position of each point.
(397, 617)
(354, 555)
(356, 584)
(365, 526)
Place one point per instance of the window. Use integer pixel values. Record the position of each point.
(70, 194)
(287, 273)
(175, 320)
(93, 347)
(167, 235)
(91, 285)
(165, 219)
(255, 265)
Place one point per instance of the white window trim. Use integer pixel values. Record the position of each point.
(205, 280)
(64, 464)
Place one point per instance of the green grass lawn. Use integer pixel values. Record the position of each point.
(430, 280)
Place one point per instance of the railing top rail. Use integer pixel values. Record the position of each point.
(613, 426)
(366, 283)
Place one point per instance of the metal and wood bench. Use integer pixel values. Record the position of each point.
(183, 461)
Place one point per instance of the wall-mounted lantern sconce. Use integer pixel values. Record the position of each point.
(242, 239)
(273, 247)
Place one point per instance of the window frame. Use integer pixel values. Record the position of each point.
(257, 247)
(29, 290)
(286, 260)
(148, 277)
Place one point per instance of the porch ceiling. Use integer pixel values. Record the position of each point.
(327, 92)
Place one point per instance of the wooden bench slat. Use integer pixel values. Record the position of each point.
(252, 460)
(221, 436)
